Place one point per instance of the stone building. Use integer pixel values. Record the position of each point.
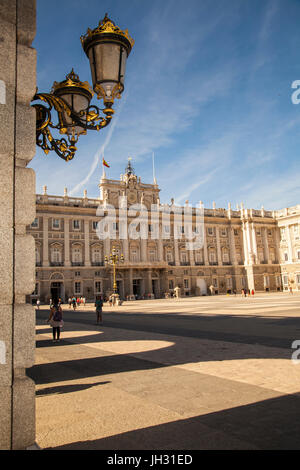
(241, 248)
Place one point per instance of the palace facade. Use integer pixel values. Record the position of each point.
(242, 248)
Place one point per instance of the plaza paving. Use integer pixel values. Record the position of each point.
(195, 373)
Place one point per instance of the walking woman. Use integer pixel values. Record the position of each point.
(99, 305)
(56, 320)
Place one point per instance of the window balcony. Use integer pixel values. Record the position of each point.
(97, 263)
(77, 263)
(199, 263)
(171, 263)
(184, 263)
(56, 263)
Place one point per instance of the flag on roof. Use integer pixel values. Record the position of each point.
(105, 163)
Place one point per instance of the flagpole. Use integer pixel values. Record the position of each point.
(153, 169)
(103, 169)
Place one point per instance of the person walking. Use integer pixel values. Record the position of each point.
(74, 303)
(99, 305)
(56, 320)
(38, 304)
(70, 302)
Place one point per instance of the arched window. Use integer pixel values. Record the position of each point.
(97, 254)
(199, 257)
(212, 256)
(152, 255)
(225, 255)
(76, 254)
(56, 254)
(134, 255)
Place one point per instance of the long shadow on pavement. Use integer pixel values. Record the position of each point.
(269, 425)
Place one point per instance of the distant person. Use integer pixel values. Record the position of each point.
(99, 305)
(291, 290)
(56, 320)
(70, 302)
(38, 304)
(74, 303)
(83, 300)
(252, 292)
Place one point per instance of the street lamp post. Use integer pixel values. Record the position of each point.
(113, 260)
(107, 48)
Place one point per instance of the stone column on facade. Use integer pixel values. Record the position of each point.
(45, 241)
(143, 250)
(266, 245)
(149, 281)
(220, 261)
(205, 252)
(232, 246)
(107, 247)
(249, 243)
(87, 260)
(176, 252)
(130, 281)
(289, 242)
(125, 250)
(18, 203)
(254, 243)
(67, 241)
(245, 243)
(158, 287)
(277, 244)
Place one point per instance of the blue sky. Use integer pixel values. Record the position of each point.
(207, 89)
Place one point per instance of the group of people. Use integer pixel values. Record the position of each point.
(76, 301)
(246, 292)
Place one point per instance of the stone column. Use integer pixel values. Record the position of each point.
(67, 241)
(143, 250)
(245, 243)
(254, 243)
(176, 252)
(220, 261)
(277, 244)
(232, 247)
(289, 242)
(87, 260)
(45, 241)
(149, 281)
(130, 282)
(205, 252)
(18, 199)
(266, 245)
(125, 250)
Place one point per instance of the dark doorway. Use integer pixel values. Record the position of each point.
(55, 290)
(136, 287)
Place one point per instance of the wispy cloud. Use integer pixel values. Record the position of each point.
(97, 157)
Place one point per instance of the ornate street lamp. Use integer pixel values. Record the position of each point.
(107, 48)
(113, 260)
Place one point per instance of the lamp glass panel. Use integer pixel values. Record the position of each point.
(79, 103)
(107, 62)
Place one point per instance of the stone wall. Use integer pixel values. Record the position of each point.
(17, 196)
